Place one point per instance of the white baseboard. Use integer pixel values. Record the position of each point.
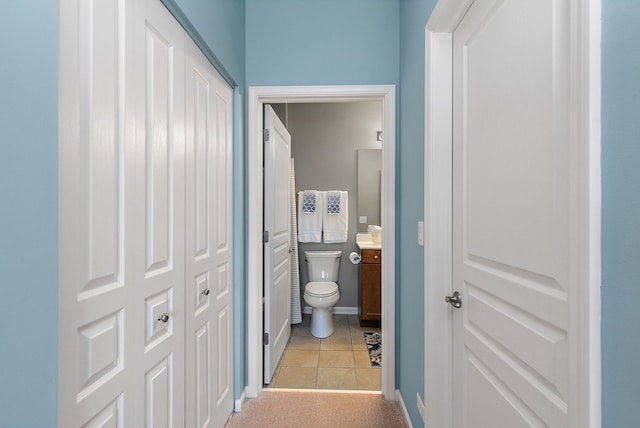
(338, 310)
(405, 413)
(240, 401)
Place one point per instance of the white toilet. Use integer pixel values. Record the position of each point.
(321, 292)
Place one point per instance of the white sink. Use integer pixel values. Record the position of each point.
(365, 242)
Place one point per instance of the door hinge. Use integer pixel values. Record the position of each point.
(265, 338)
(265, 236)
(265, 135)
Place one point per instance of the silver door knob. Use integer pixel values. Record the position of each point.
(163, 317)
(454, 300)
(205, 292)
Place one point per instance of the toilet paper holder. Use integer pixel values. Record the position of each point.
(354, 258)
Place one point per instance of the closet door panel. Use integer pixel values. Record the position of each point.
(208, 234)
(141, 285)
(94, 358)
(223, 162)
(223, 303)
(109, 417)
(202, 376)
(159, 232)
(159, 150)
(158, 394)
(200, 217)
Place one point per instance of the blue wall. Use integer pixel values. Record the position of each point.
(221, 24)
(329, 42)
(29, 213)
(358, 42)
(620, 213)
(414, 15)
(307, 43)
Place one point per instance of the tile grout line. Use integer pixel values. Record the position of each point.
(341, 329)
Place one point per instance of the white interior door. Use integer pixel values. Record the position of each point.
(223, 246)
(514, 244)
(158, 255)
(277, 219)
(209, 291)
(123, 239)
(96, 331)
(121, 215)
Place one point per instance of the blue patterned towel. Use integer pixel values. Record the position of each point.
(333, 202)
(309, 202)
(335, 224)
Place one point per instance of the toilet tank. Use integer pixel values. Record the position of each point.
(323, 265)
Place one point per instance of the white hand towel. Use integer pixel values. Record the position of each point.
(335, 225)
(310, 223)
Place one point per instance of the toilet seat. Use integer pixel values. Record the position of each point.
(321, 289)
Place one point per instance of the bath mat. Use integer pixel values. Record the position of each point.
(374, 346)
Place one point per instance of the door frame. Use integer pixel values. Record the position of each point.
(585, 128)
(257, 97)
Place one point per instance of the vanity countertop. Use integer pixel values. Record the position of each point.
(365, 242)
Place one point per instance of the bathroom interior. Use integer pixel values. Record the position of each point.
(337, 146)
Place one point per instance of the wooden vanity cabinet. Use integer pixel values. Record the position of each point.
(369, 288)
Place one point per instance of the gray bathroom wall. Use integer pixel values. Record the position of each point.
(281, 111)
(325, 142)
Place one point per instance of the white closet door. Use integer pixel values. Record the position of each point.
(157, 74)
(209, 298)
(96, 329)
(123, 242)
(223, 246)
(121, 216)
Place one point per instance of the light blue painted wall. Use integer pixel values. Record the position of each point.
(221, 24)
(410, 359)
(620, 213)
(328, 42)
(29, 213)
(313, 45)
(358, 42)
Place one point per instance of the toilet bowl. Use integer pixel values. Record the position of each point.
(321, 292)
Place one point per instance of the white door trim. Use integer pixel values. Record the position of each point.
(258, 96)
(585, 117)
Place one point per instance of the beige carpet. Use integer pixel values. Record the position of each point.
(296, 408)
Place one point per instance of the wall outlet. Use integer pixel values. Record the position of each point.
(421, 233)
(420, 406)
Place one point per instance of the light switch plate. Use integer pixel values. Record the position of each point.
(421, 233)
(363, 219)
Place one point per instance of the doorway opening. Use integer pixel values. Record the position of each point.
(258, 97)
(333, 146)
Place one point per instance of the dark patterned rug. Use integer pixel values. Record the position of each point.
(374, 346)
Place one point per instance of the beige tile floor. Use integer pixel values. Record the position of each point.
(340, 361)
